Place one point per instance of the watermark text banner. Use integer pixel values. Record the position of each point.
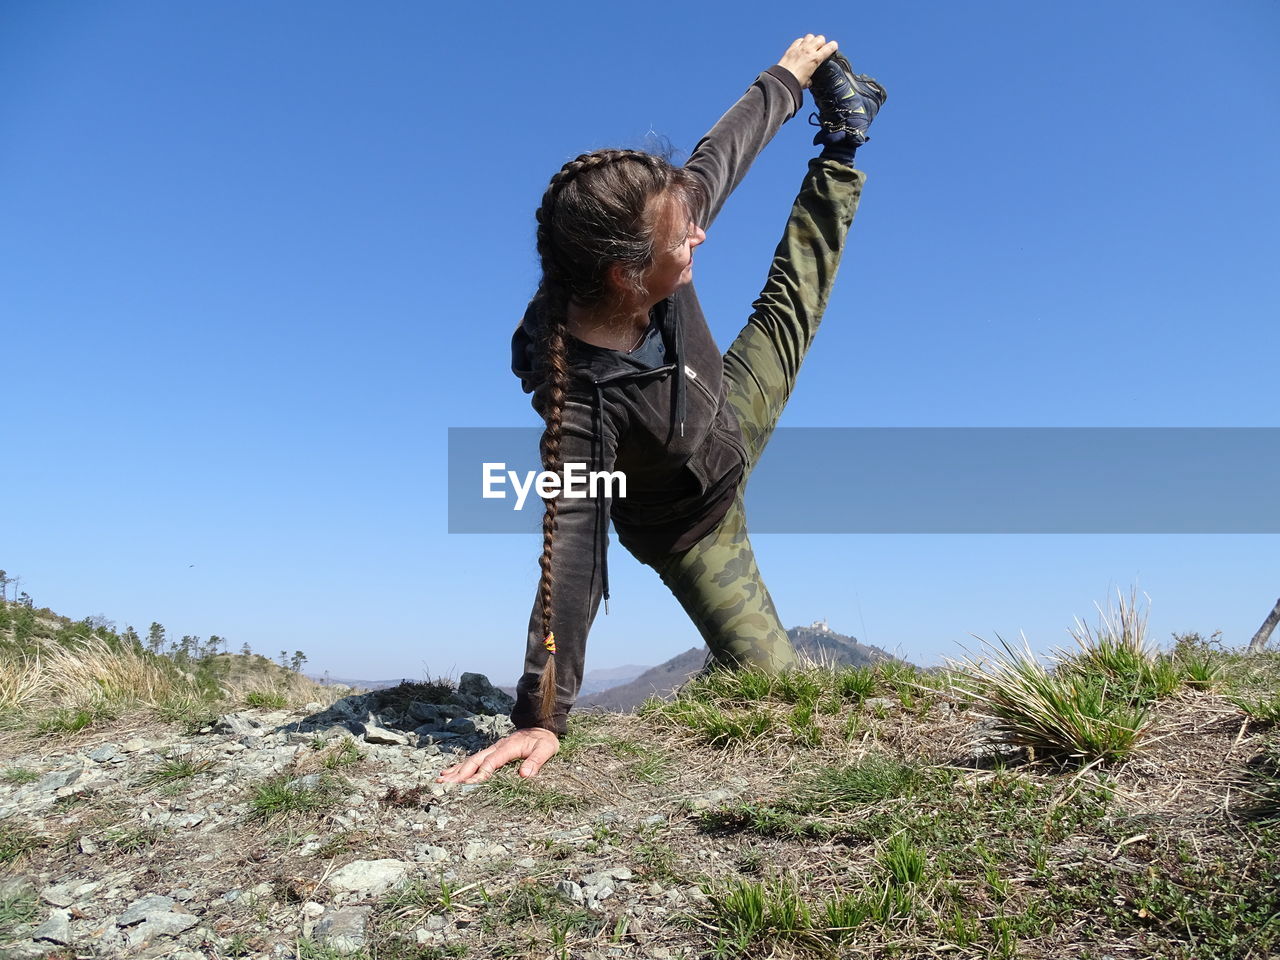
(945, 480)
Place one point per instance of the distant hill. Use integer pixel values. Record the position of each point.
(818, 643)
(594, 681)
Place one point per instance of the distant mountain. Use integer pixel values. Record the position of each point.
(327, 680)
(594, 681)
(818, 643)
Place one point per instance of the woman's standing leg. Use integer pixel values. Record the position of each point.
(717, 580)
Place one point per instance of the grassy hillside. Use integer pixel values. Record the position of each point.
(63, 675)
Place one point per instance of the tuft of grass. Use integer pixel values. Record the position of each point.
(85, 673)
(711, 724)
(771, 917)
(341, 753)
(1065, 713)
(17, 907)
(284, 795)
(19, 775)
(749, 914)
(871, 779)
(15, 840)
(177, 769)
(509, 789)
(266, 699)
(132, 839)
(75, 719)
(1262, 709)
(856, 684)
(903, 860)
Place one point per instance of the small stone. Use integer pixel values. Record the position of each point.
(381, 735)
(571, 890)
(144, 909)
(343, 929)
(104, 753)
(52, 782)
(707, 801)
(87, 846)
(369, 878)
(527, 863)
(57, 929)
(312, 909)
(161, 925)
(480, 850)
(238, 725)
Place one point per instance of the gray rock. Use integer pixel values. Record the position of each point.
(474, 850)
(144, 909)
(601, 877)
(66, 894)
(381, 735)
(57, 780)
(435, 714)
(571, 890)
(238, 725)
(108, 751)
(475, 690)
(495, 726)
(463, 726)
(57, 929)
(343, 929)
(369, 878)
(707, 801)
(161, 925)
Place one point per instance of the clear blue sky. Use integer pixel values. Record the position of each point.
(255, 259)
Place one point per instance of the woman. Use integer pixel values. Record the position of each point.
(624, 371)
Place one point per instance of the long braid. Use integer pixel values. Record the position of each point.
(605, 225)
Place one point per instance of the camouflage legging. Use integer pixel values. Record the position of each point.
(717, 580)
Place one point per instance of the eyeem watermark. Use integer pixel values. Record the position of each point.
(577, 483)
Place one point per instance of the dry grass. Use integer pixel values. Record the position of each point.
(86, 676)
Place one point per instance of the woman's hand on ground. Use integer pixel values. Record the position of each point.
(535, 746)
(805, 55)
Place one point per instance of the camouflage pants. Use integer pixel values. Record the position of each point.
(717, 580)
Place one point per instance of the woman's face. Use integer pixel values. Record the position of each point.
(675, 236)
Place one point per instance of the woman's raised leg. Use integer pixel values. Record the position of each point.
(762, 363)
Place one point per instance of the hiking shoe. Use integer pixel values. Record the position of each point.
(847, 102)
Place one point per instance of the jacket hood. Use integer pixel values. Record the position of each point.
(587, 362)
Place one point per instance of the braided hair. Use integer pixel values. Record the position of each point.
(597, 212)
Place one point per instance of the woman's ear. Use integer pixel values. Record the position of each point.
(620, 285)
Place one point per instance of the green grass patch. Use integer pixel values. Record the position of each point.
(177, 769)
(17, 907)
(508, 788)
(17, 776)
(132, 839)
(15, 840)
(1065, 713)
(266, 699)
(285, 795)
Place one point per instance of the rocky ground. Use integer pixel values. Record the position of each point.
(313, 833)
(319, 833)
